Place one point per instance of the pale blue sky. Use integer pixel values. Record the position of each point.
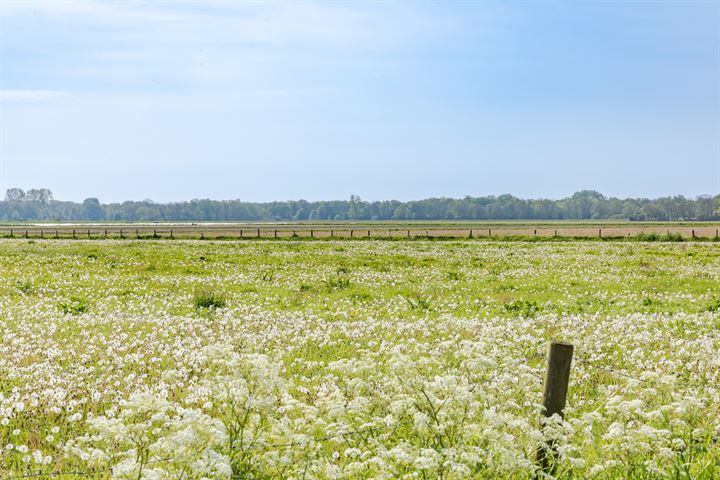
(321, 100)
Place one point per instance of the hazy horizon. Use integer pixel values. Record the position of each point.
(371, 200)
(309, 100)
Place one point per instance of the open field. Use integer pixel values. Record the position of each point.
(356, 359)
(437, 230)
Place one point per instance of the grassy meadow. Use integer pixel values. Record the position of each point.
(356, 359)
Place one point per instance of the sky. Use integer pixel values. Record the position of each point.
(403, 100)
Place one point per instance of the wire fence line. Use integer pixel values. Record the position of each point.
(145, 232)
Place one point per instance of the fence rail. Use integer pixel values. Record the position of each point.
(708, 233)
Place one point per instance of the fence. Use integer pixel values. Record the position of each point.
(706, 233)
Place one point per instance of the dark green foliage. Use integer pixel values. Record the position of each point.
(714, 306)
(74, 306)
(417, 302)
(208, 298)
(522, 307)
(584, 205)
(24, 286)
(337, 283)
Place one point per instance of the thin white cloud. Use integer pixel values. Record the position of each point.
(299, 91)
(85, 9)
(28, 95)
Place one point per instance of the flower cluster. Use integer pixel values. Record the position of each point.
(357, 359)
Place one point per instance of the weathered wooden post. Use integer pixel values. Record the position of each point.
(369, 234)
(57, 234)
(535, 232)
(171, 234)
(258, 233)
(556, 388)
(11, 233)
(693, 233)
(489, 232)
(106, 233)
(275, 233)
(154, 233)
(88, 233)
(332, 233)
(41, 234)
(351, 233)
(121, 234)
(556, 233)
(470, 234)
(137, 233)
(408, 234)
(26, 234)
(312, 233)
(74, 233)
(600, 233)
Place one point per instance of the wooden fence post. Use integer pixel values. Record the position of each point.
(275, 233)
(171, 234)
(11, 233)
(332, 233)
(693, 233)
(489, 233)
(121, 234)
(26, 234)
(258, 233)
(600, 233)
(369, 234)
(351, 233)
(73, 233)
(57, 235)
(556, 388)
(41, 234)
(137, 233)
(470, 235)
(88, 233)
(312, 233)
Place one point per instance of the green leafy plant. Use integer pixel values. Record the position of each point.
(208, 298)
(74, 306)
(522, 307)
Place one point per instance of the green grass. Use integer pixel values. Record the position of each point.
(386, 334)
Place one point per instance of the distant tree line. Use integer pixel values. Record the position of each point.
(39, 205)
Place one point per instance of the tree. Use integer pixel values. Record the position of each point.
(14, 195)
(91, 209)
(42, 195)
